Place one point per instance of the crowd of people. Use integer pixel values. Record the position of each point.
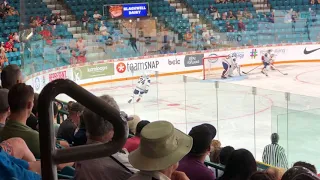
(7, 10)
(156, 149)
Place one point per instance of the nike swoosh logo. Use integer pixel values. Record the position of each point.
(309, 52)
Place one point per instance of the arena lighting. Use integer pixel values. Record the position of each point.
(29, 36)
(130, 20)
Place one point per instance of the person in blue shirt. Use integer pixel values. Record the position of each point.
(13, 168)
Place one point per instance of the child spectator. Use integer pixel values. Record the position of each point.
(230, 15)
(229, 27)
(134, 142)
(241, 26)
(9, 46)
(44, 20)
(96, 29)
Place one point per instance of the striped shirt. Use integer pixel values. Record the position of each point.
(274, 155)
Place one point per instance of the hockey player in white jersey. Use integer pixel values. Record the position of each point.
(267, 60)
(141, 88)
(229, 64)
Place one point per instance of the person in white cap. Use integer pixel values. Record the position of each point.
(161, 148)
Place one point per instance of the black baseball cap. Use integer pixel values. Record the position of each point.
(202, 137)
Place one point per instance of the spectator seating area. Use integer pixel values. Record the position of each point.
(158, 8)
(301, 5)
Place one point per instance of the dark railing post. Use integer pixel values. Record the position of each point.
(50, 157)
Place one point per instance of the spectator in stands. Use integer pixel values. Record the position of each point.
(9, 46)
(224, 16)
(12, 11)
(241, 165)
(239, 14)
(133, 124)
(211, 9)
(58, 18)
(231, 16)
(68, 127)
(20, 99)
(44, 20)
(96, 29)
(16, 37)
(215, 151)
(80, 137)
(241, 26)
(312, 2)
(216, 15)
(38, 21)
(133, 143)
(85, 19)
(32, 120)
(2, 47)
(246, 13)
(14, 168)
(224, 157)
(97, 16)
(274, 154)
(52, 20)
(74, 57)
(229, 27)
(276, 172)
(81, 45)
(202, 137)
(162, 147)
(114, 167)
(103, 30)
(11, 75)
(55, 115)
(4, 107)
(2, 11)
(261, 176)
(3, 58)
(299, 173)
(309, 166)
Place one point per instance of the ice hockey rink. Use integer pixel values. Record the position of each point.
(244, 116)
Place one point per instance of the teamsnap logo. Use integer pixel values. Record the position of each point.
(193, 60)
(137, 66)
(121, 67)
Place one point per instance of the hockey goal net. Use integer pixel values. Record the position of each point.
(212, 67)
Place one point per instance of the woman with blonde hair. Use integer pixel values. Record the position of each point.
(133, 124)
(215, 151)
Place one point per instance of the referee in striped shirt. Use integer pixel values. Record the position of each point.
(274, 154)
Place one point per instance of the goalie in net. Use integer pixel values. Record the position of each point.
(229, 64)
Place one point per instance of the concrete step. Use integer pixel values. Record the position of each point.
(70, 23)
(54, 6)
(263, 10)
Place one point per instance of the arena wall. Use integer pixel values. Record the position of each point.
(105, 71)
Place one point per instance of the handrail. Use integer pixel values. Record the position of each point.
(50, 157)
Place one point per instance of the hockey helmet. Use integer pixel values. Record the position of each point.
(270, 51)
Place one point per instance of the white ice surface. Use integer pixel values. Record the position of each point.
(244, 120)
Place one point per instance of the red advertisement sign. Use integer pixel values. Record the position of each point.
(58, 75)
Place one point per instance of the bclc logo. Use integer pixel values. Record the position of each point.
(121, 67)
(174, 61)
(253, 54)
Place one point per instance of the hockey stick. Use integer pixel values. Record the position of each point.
(251, 70)
(279, 71)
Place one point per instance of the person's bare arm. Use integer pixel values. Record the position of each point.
(35, 166)
(18, 148)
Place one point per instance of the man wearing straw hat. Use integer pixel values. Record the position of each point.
(161, 148)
